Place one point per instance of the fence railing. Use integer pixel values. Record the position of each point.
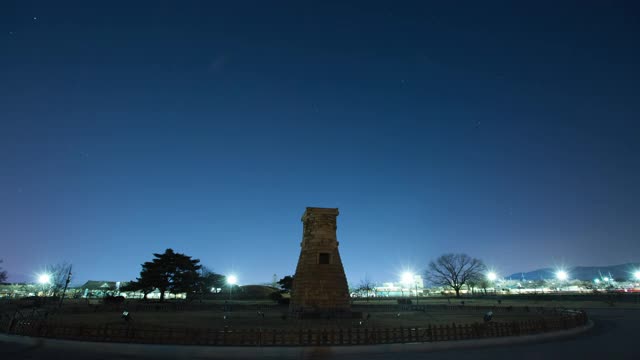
(169, 306)
(290, 337)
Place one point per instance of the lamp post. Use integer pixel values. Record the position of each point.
(492, 277)
(636, 276)
(66, 285)
(231, 280)
(44, 279)
(407, 279)
(562, 276)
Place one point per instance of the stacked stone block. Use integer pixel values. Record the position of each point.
(320, 285)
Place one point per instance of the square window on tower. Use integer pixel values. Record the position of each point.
(324, 258)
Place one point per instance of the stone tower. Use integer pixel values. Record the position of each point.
(320, 285)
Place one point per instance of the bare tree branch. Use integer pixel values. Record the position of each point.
(455, 270)
(3, 274)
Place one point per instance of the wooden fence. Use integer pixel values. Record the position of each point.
(290, 337)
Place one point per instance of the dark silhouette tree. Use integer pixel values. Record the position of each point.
(286, 283)
(366, 286)
(471, 285)
(138, 285)
(484, 284)
(171, 272)
(3, 274)
(209, 280)
(455, 270)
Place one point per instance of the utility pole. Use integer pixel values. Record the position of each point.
(66, 285)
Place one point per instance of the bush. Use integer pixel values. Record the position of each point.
(113, 300)
(275, 296)
(284, 301)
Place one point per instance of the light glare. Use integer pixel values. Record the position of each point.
(407, 278)
(492, 276)
(232, 280)
(562, 275)
(44, 279)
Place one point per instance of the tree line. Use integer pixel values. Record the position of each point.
(173, 272)
(452, 271)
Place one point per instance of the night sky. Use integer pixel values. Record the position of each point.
(509, 132)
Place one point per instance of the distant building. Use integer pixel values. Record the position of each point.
(18, 290)
(396, 289)
(93, 288)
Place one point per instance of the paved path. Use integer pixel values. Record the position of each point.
(615, 336)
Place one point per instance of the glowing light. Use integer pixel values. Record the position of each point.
(44, 279)
(232, 280)
(492, 276)
(562, 275)
(597, 281)
(606, 279)
(636, 275)
(407, 278)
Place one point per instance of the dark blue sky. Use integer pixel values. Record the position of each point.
(509, 132)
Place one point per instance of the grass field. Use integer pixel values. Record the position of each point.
(273, 319)
(212, 316)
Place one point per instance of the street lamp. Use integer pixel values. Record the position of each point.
(562, 275)
(44, 279)
(231, 280)
(492, 277)
(408, 278)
